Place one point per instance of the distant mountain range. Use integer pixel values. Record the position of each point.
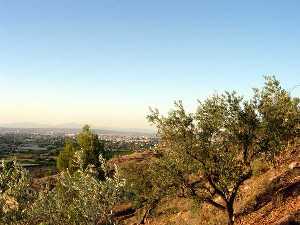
(39, 125)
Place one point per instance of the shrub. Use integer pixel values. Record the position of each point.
(15, 193)
(79, 198)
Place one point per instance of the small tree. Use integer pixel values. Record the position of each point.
(90, 148)
(210, 154)
(65, 157)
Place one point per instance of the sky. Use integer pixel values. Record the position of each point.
(105, 62)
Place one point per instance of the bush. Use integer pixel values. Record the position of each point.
(78, 198)
(15, 193)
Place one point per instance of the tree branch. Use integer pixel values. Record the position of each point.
(218, 191)
(238, 184)
(215, 204)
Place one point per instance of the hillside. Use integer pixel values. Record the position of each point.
(270, 197)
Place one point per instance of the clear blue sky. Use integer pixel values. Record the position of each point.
(105, 62)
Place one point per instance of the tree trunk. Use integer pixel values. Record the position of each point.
(149, 210)
(230, 213)
(144, 217)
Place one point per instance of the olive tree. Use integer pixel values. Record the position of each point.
(146, 186)
(15, 192)
(209, 155)
(79, 198)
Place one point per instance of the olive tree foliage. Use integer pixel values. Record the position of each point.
(146, 186)
(79, 197)
(15, 192)
(210, 154)
(279, 114)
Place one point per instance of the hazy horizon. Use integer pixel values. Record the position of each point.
(75, 126)
(104, 63)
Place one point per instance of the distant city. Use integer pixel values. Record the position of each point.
(74, 126)
(40, 146)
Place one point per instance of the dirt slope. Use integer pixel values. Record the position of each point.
(271, 198)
